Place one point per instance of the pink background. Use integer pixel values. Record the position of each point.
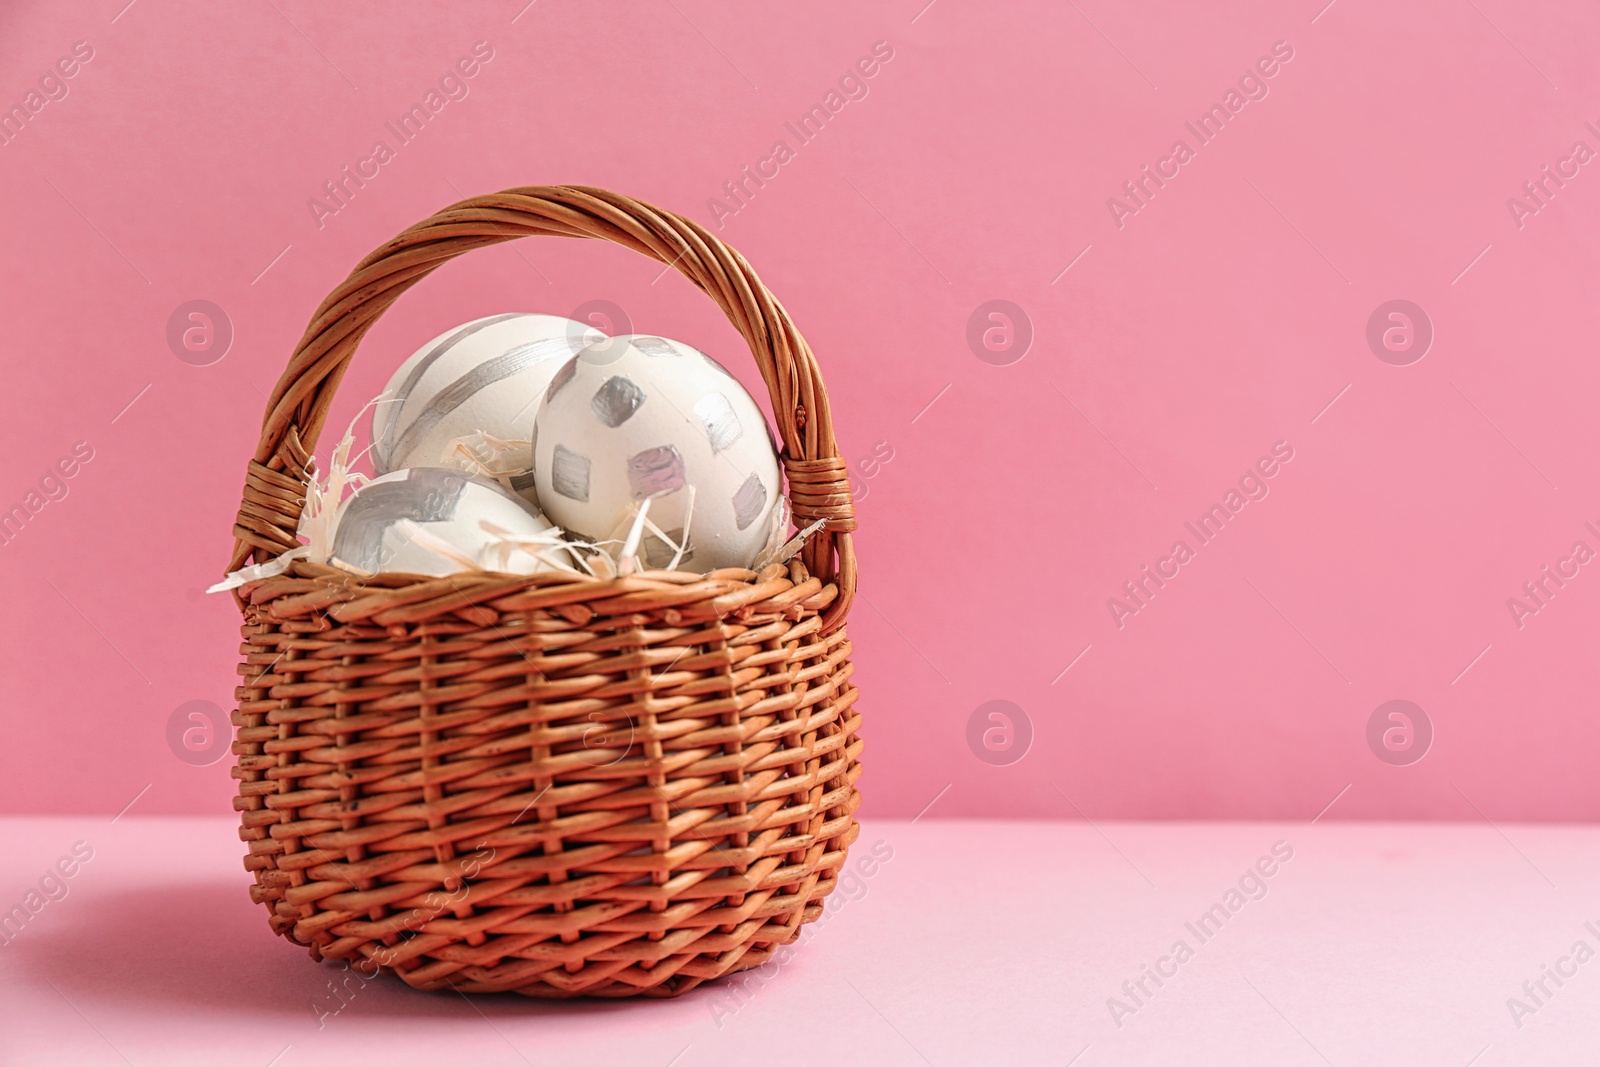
(1223, 317)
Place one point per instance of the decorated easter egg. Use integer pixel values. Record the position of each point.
(466, 398)
(436, 521)
(640, 418)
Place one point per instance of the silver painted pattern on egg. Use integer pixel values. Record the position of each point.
(748, 501)
(383, 447)
(658, 553)
(568, 371)
(655, 470)
(653, 346)
(573, 536)
(479, 378)
(426, 494)
(615, 402)
(719, 367)
(721, 422)
(569, 474)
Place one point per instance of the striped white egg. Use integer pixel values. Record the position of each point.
(485, 378)
(641, 417)
(396, 523)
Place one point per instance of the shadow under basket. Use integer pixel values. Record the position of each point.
(547, 785)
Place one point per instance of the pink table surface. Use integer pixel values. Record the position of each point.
(977, 942)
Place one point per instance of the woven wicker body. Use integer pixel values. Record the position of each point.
(547, 785)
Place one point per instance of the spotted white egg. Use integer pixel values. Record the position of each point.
(640, 417)
(473, 390)
(428, 520)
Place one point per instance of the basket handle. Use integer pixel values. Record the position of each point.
(818, 480)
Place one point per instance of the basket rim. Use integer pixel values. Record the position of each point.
(307, 588)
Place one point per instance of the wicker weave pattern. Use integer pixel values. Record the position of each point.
(537, 784)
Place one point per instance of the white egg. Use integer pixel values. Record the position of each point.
(428, 520)
(640, 417)
(483, 379)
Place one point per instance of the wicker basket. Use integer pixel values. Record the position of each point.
(537, 784)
